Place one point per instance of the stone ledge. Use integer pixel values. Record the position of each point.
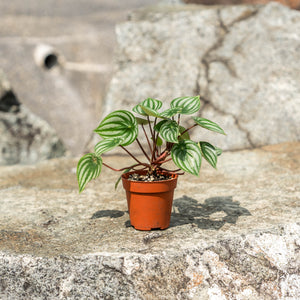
(233, 235)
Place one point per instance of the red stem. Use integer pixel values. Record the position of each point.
(146, 165)
(161, 157)
(147, 138)
(150, 126)
(143, 149)
(173, 171)
(167, 160)
(153, 140)
(182, 133)
(119, 170)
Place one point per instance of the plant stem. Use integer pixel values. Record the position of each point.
(154, 149)
(119, 170)
(143, 149)
(172, 171)
(147, 138)
(161, 157)
(182, 133)
(150, 127)
(134, 157)
(169, 159)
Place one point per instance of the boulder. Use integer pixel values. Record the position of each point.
(291, 3)
(243, 60)
(234, 233)
(24, 137)
(69, 94)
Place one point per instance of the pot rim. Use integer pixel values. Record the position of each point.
(126, 175)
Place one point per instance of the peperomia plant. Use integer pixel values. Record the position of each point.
(166, 139)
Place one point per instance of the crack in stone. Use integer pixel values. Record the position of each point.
(243, 17)
(209, 58)
(207, 102)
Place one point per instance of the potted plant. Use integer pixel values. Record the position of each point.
(150, 184)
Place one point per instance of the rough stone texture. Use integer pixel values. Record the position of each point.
(24, 137)
(234, 233)
(291, 3)
(8, 99)
(242, 60)
(82, 32)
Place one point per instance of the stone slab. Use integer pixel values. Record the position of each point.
(243, 61)
(24, 137)
(234, 233)
(82, 33)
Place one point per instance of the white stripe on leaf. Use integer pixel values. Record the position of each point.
(188, 105)
(210, 125)
(187, 156)
(169, 131)
(209, 153)
(120, 124)
(150, 103)
(107, 145)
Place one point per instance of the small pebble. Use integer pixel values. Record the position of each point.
(148, 178)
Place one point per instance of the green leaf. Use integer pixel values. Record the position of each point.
(187, 156)
(159, 124)
(219, 151)
(119, 179)
(184, 136)
(209, 153)
(88, 168)
(210, 125)
(169, 131)
(159, 141)
(188, 105)
(119, 124)
(151, 103)
(106, 145)
(149, 111)
(169, 113)
(142, 121)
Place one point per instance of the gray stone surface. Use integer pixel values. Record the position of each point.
(82, 32)
(8, 99)
(242, 60)
(234, 233)
(24, 137)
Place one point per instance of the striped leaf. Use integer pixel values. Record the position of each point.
(159, 124)
(219, 151)
(187, 156)
(209, 153)
(106, 145)
(169, 131)
(141, 121)
(169, 113)
(151, 103)
(188, 105)
(120, 177)
(88, 168)
(184, 136)
(119, 124)
(210, 125)
(149, 111)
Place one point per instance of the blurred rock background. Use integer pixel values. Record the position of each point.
(242, 60)
(66, 66)
(66, 93)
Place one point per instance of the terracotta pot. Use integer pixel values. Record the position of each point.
(149, 203)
